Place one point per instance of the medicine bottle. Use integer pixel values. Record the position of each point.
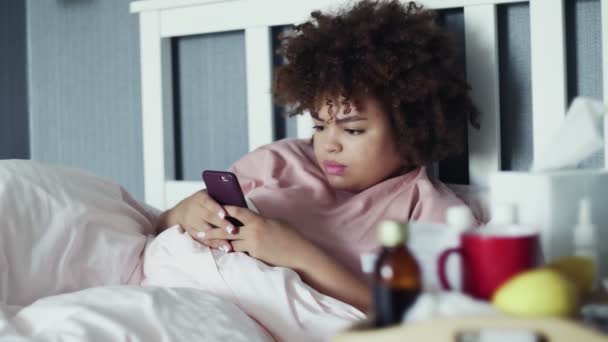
(397, 277)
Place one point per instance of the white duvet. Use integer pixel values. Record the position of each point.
(72, 251)
(129, 313)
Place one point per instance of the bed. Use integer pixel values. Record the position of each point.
(73, 306)
(160, 21)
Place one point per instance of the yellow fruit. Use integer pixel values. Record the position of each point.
(580, 271)
(539, 292)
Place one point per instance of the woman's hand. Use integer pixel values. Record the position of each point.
(278, 244)
(199, 214)
(270, 241)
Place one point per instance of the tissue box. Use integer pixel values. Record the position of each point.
(549, 201)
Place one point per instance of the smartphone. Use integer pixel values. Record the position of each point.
(224, 188)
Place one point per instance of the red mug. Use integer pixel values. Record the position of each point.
(489, 258)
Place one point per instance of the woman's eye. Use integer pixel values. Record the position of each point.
(317, 128)
(354, 131)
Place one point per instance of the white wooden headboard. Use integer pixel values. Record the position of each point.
(161, 20)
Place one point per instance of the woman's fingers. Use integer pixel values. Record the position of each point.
(211, 205)
(197, 231)
(240, 246)
(201, 233)
(200, 230)
(225, 234)
(222, 245)
(211, 218)
(213, 213)
(242, 214)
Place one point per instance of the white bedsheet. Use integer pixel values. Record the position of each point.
(129, 313)
(276, 297)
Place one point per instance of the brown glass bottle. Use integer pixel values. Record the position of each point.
(397, 277)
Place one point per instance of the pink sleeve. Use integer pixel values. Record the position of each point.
(433, 202)
(252, 169)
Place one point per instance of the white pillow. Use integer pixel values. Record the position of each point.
(63, 230)
(476, 197)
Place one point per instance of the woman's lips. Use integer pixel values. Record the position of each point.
(334, 169)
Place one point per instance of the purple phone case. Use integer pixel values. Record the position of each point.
(224, 188)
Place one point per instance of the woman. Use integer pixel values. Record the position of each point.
(380, 83)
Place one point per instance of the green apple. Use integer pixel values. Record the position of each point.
(539, 292)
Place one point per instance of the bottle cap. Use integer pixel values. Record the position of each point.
(584, 211)
(368, 262)
(391, 233)
(584, 231)
(459, 217)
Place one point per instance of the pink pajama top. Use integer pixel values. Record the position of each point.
(285, 182)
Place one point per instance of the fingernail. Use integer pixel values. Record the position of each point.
(230, 229)
(221, 214)
(200, 235)
(224, 248)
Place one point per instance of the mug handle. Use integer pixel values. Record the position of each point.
(443, 258)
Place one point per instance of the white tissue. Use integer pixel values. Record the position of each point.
(579, 136)
(441, 304)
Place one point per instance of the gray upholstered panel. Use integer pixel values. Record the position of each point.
(583, 39)
(212, 102)
(14, 137)
(584, 56)
(455, 169)
(84, 87)
(515, 86)
(284, 126)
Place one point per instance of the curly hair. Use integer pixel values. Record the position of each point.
(393, 52)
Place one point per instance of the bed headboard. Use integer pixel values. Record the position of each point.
(161, 20)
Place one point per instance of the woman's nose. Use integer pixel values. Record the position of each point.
(333, 145)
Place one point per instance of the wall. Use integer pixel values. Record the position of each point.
(84, 92)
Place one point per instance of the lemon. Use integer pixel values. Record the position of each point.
(580, 271)
(537, 293)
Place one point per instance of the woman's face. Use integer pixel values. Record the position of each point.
(355, 147)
